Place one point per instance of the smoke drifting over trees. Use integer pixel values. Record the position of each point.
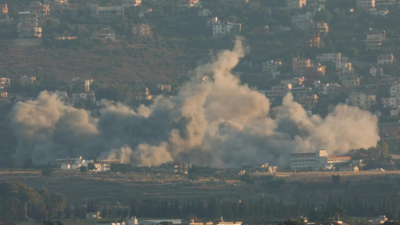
(217, 123)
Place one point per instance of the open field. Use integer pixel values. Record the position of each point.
(105, 188)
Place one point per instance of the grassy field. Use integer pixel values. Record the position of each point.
(111, 188)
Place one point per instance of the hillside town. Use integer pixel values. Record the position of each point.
(199, 112)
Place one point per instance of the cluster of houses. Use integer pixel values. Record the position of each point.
(76, 163)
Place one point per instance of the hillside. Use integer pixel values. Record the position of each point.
(115, 63)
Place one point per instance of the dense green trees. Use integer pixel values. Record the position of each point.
(20, 202)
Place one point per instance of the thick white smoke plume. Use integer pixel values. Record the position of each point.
(215, 123)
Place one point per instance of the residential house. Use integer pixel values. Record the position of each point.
(73, 163)
(375, 39)
(221, 29)
(385, 3)
(164, 87)
(315, 71)
(296, 4)
(361, 100)
(3, 95)
(317, 29)
(78, 84)
(26, 80)
(352, 81)
(108, 13)
(376, 71)
(142, 30)
(62, 96)
(41, 10)
(271, 68)
(329, 57)
(102, 167)
(344, 68)
(87, 96)
(187, 4)
(395, 90)
(279, 91)
(376, 12)
(391, 102)
(328, 89)
(299, 64)
(29, 26)
(106, 34)
(142, 94)
(4, 82)
(311, 42)
(385, 59)
(365, 4)
(308, 102)
(204, 12)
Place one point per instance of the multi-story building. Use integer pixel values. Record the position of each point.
(279, 91)
(142, 30)
(26, 80)
(299, 64)
(293, 81)
(395, 90)
(204, 12)
(87, 96)
(73, 163)
(40, 9)
(108, 13)
(361, 100)
(392, 102)
(308, 102)
(311, 42)
(295, 4)
(343, 68)
(365, 4)
(318, 160)
(375, 39)
(351, 82)
(78, 84)
(142, 94)
(28, 26)
(4, 82)
(376, 71)
(271, 68)
(102, 167)
(315, 71)
(385, 3)
(226, 28)
(302, 21)
(164, 87)
(329, 57)
(317, 29)
(187, 4)
(328, 88)
(385, 59)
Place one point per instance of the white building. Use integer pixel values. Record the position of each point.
(271, 68)
(385, 59)
(89, 96)
(295, 4)
(343, 68)
(102, 167)
(376, 71)
(319, 159)
(361, 100)
(330, 57)
(156, 222)
(392, 102)
(365, 4)
(227, 28)
(395, 90)
(349, 168)
(73, 163)
(204, 12)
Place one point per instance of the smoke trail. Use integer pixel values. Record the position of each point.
(215, 123)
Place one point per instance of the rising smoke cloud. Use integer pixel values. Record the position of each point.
(216, 123)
